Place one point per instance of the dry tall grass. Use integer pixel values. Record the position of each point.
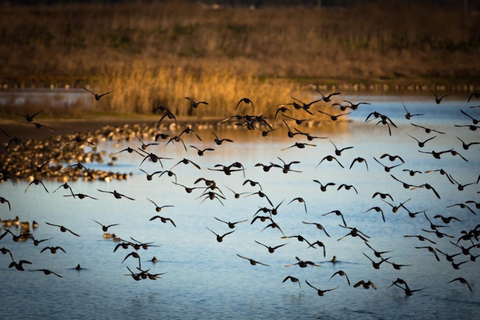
(141, 88)
(159, 52)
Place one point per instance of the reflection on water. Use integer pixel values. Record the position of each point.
(46, 98)
(206, 279)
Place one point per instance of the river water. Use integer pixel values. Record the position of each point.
(204, 278)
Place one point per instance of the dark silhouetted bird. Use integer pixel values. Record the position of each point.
(382, 195)
(354, 232)
(3, 200)
(475, 95)
(365, 284)
(28, 118)
(201, 152)
(62, 228)
(219, 237)
(323, 188)
(333, 117)
(252, 262)
(19, 265)
(359, 160)
(438, 99)
(328, 97)
(219, 141)
(36, 182)
(194, 103)
(303, 264)
(408, 115)
(292, 279)
(319, 227)
(354, 106)
(53, 250)
(430, 249)
(104, 227)
(159, 208)
(377, 209)
(301, 200)
(347, 187)
(375, 264)
(462, 281)
(269, 248)
(420, 237)
(116, 194)
(320, 292)
(247, 101)
(465, 145)
(337, 213)
(338, 152)
(46, 272)
(427, 130)
(329, 158)
(97, 96)
(342, 274)
(163, 219)
(231, 225)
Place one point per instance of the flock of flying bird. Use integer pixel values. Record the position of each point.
(51, 168)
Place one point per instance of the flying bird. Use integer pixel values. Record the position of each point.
(36, 182)
(104, 227)
(253, 262)
(194, 103)
(427, 130)
(40, 125)
(301, 200)
(46, 272)
(330, 158)
(231, 225)
(219, 237)
(62, 228)
(28, 117)
(292, 279)
(219, 141)
(97, 96)
(320, 292)
(475, 95)
(53, 250)
(365, 284)
(342, 274)
(247, 101)
(327, 98)
(163, 219)
(462, 281)
(359, 160)
(269, 248)
(408, 115)
(438, 99)
(116, 194)
(421, 144)
(333, 117)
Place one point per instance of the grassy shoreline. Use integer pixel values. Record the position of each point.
(157, 53)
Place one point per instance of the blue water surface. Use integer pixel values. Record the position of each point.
(206, 279)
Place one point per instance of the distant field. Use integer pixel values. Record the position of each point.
(157, 53)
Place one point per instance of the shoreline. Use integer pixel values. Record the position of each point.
(360, 85)
(63, 127)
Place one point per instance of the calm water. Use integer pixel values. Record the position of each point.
(42, 98)
(206, 279)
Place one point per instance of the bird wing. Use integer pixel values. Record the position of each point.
(88, 90)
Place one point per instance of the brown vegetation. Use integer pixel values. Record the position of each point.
(161, 52)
